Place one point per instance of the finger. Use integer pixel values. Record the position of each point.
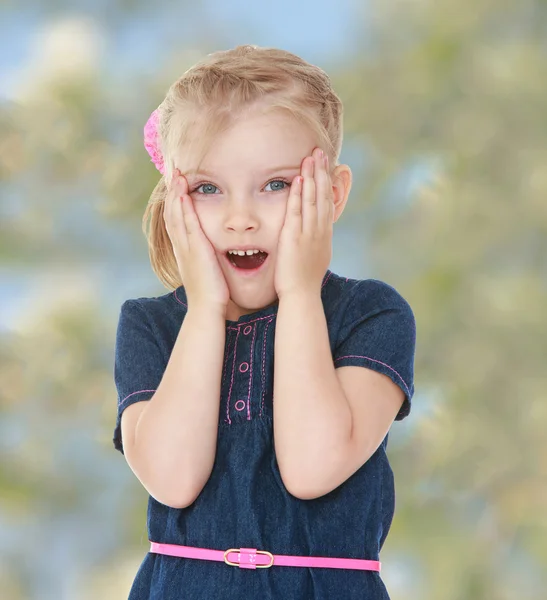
(309, 199)
(324, 194)
(181, 202)
(175, 220)
(190, 219)
(168, 203)
(293, 213)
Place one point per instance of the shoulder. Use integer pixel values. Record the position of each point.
(375, 328)
(352, 297)
(159, 317)
(169, 303)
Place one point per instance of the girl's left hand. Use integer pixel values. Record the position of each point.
(305, 243)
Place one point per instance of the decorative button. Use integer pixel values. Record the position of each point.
(243, 367)
(247, 330)
(241, 404)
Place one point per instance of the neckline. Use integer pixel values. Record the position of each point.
(268, 311)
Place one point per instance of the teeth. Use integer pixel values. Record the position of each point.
(243, 252)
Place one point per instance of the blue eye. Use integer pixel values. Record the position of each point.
(205, 185)
(210, 187)
(283, 181)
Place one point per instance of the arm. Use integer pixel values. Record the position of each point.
(170, 441)
(312, 418)
(325, 427)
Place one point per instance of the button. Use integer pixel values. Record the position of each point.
(241, 404)
(247, 330)
(243, 367)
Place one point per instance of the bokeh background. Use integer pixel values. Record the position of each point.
(446, 133)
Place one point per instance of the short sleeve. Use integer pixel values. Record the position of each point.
(378, 331)
(138, 363)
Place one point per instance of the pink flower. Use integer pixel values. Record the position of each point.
(151, 141)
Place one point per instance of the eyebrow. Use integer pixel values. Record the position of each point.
(265, 172)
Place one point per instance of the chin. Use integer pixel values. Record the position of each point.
(247, 305)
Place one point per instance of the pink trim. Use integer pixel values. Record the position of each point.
(232, 379)
(248, 558)
(225, 362)
(133, 393)
(326, 279)
(253, 321)
(224, 377)
(250, 376)
(179, 301)
(377, 361)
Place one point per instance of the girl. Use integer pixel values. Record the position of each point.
(255, 399)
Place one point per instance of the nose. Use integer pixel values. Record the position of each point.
(240, 217)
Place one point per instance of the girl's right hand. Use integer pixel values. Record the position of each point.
(199, 269)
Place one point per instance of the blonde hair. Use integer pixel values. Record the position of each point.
(211, 96)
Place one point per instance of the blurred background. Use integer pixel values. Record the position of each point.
(446, 134)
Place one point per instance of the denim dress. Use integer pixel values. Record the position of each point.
(245, 504)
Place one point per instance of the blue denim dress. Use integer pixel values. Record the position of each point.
(244, 503)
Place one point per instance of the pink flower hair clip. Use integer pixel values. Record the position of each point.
(151, 141)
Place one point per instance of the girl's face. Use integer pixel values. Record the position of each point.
(240, 195)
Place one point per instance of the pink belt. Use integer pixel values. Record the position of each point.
(251, 558)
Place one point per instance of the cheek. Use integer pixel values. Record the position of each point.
(276, 215)
(207, 219)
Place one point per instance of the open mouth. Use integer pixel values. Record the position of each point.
(247, 262)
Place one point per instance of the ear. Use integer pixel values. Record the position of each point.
(341, 185)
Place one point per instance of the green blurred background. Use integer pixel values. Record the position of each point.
(446, 133)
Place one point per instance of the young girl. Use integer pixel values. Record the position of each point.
(256, 397)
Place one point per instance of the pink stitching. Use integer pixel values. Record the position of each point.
(253, 321)
(250, 377)
(132, 394)
(225, 365)
(232, 380)
(326, 279)
(378, 361)
(263, 361)
(224, 374)
(179, 301)
(225, 362)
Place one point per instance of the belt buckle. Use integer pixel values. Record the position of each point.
(233, 564)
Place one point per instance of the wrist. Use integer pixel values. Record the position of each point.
(207, 310)
(300, 295)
